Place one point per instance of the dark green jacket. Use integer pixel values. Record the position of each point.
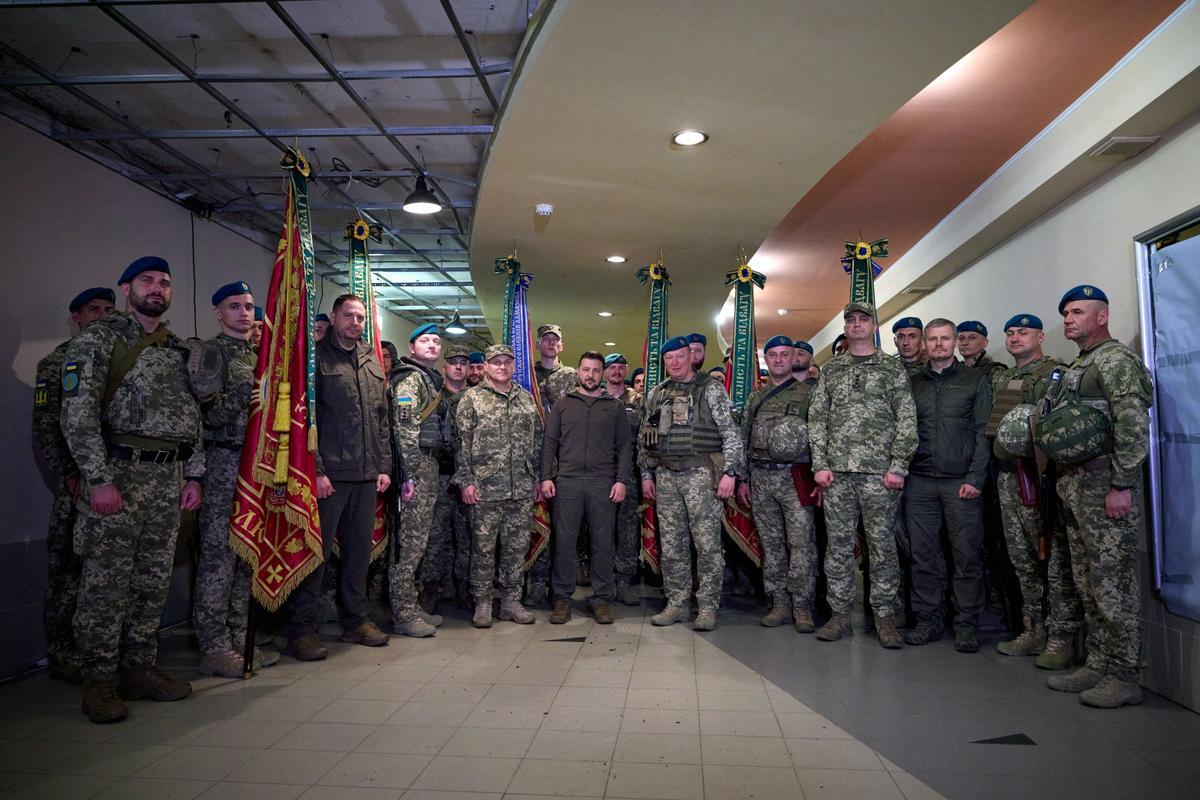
(952, 414)
(353, 423)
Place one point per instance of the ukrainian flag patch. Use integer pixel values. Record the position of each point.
(70, 379)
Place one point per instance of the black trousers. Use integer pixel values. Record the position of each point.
(927, 502)
(576, 498)
(349, 514)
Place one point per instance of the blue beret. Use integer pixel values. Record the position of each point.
(973, 326)
(144, 264)
(258, 314)
(321, 318)
(907, 322)
(614, 358)
(88, 295)
(674, 343)
(475, 357)
(1084, 292)
(428, 327)
(1024, 321)
(229, 290)
(800, 344)
(778, 341)
(697, 338)
(635, 373)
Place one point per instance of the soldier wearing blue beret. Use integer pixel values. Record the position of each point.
(1082, 292)
(320, 326)
(906, 332)
(474, 368)
(697, 343)
(62, 580)
(972, 346)
(637, 379)
(802, 362)
(257, 329)
(144, 264)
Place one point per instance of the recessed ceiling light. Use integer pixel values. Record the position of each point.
(782, 312)
(610, 344)
(616, 259)
(603, 313)
(689, 138)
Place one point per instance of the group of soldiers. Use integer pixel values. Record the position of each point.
(897, 453)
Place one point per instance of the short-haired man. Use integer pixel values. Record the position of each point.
(863, 431)
(637, 380)
(801, 362)
(972, 340)
(130, 418)
(390, 356)
(256, 329)
(587, 466)
(354, 463)
(1102, 494)
(629, 523)
(1026, 384)
(497, 467)
(320, 326)
(62, 573)
(907, 333)
(697, 345)
(425, 437)
(775, 429)
(222, 594)
(945, 483)
(691, 456)
(474, 368)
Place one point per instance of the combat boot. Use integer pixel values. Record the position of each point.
(101, 702)
(1059, 654)
(669, 616)
(415, 627)
(627, 595)
(514, 611)
(265, 658)
(65, 671)
(1080, 680)
(307, 648)
(483, 614)
(227, 664)
(149, 681)
(1030, 642)
(602, 611)
(561, 612)
(367, 634)
(779, 613)
(928, 629)
(889, 637)
(535, 595)
(430, 619)
(802, 620)
(706, 620)
(1112, 692)
(431, 592)
(837, 627)
(965, 639)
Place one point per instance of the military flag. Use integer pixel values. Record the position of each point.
(656, 333)
(859, 262)
(275, 525)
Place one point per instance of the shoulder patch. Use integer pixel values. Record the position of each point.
(404, 407)
(41, 395)
(70, 379)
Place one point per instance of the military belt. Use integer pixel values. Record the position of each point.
(125, 453)
(1097, 464)
(680, 464)
(770, 465)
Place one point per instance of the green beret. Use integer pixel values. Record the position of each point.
(428, 327)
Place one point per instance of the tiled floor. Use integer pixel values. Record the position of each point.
(624, 711)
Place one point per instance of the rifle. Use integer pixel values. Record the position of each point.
(1048, 495)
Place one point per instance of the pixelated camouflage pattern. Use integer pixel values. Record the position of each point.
(629, 524)
(1022, 524)
(47, 413)
(226, 415)
(776, 429)
(412, 390)
(554, 383)
(222, 594)
(438, 562)
(733, 449)
(851, 496)
(862, 417)
(788, 537)
(689, 515)
(416, 521)
(500, 442)
(500, 533)
(1014, 437)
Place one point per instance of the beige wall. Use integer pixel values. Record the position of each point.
(1089, 239)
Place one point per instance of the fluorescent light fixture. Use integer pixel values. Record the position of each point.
(610, 344)
(689, 138)
(615, 259)
(603, 313)
(422, 201)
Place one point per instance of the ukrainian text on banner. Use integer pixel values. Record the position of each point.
(656, 325)
(859, 262)
(275, 525)
(743, 359)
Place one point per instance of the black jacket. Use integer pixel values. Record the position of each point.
(587, 437)
(952, 412)
(353, 422)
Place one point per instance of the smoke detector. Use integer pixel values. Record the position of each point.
(543, 209)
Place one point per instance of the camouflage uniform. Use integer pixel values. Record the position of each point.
(1022, 526)
(629, 523)
(222, 579)
(552, 385)
(1104, 552)
(448, 553)
(785, 527)
(689, 513)
(500, 451)
(862, 423)
(126, 556)
(62, 573)
(417, 392)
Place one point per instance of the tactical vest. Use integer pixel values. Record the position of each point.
(681, 432)
(434, 416)
(779, 430)
(1078, 426)
(1014, 393)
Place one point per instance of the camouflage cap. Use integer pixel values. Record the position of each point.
(865, 308)
(549, 327)
(497, 350)
(456, 350)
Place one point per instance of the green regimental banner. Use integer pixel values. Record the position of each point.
(298, 170)
(656, 326)
(859, 262)
(358, 232)
(743, 360)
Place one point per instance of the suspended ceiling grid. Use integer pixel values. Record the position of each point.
(195, 100)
